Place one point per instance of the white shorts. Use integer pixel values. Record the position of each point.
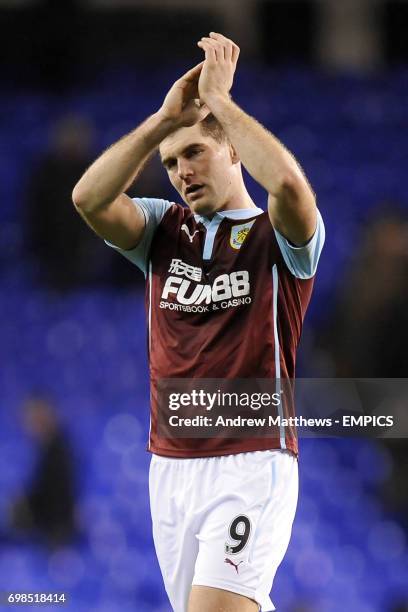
(222, 522)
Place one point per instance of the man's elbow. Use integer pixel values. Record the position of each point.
(79, 198)
(295, 190)
(83, 201)
(293, 210)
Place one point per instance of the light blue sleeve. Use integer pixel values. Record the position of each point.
(154, 210)
(302, 261)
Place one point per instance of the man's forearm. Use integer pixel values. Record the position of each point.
(262, 154)
(116, 169)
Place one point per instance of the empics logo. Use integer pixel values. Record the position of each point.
(239, 234)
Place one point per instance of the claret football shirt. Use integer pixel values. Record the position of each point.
(225, 298)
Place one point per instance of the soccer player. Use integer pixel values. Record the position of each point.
(227, 290)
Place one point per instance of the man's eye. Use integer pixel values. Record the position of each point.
(194, 152)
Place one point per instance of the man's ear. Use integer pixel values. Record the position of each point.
(234, 155)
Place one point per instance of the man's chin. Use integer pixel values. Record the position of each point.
(202, 207)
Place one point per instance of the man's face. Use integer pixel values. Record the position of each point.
(200, 168)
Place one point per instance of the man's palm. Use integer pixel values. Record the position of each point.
(181, 103)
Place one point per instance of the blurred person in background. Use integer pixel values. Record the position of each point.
(68, 255)
(367, 336)
(47, 508)
(206, 510)
(400, 607)
(368, 332)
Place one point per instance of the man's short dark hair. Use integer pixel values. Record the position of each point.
(210, 126)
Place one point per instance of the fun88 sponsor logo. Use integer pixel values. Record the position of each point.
(224, 288)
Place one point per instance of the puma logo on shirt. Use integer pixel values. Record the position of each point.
(185, 228)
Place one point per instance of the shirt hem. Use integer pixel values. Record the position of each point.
(291, 446)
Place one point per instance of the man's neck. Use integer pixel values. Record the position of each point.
(240, 200)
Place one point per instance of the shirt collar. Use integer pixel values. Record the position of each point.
(237, 213)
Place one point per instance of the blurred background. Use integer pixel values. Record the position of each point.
(330, 79)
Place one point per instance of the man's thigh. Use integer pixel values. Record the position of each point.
(209, 599)
(222, 525)
(174, 537)
(247, 526)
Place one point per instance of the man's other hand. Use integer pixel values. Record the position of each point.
(217, 73)
(181, 106)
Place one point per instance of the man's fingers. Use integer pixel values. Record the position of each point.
(224, 48)
(231, 49)
(235, 53)
(218, 47)
(228, 52)
(212, 43)
(219, 36)
(193, 73)
(196, 110)
(223, 43)
(210, 52)
(204, 111)
(189, 80)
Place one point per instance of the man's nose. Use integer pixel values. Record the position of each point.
(184, 169)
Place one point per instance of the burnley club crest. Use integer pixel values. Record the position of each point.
(239, 233)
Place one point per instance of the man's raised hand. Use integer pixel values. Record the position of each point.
(181, 105)
(217, 73)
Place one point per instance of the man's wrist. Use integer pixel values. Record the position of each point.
(159, 126)
(217, 102)
(167, 124)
